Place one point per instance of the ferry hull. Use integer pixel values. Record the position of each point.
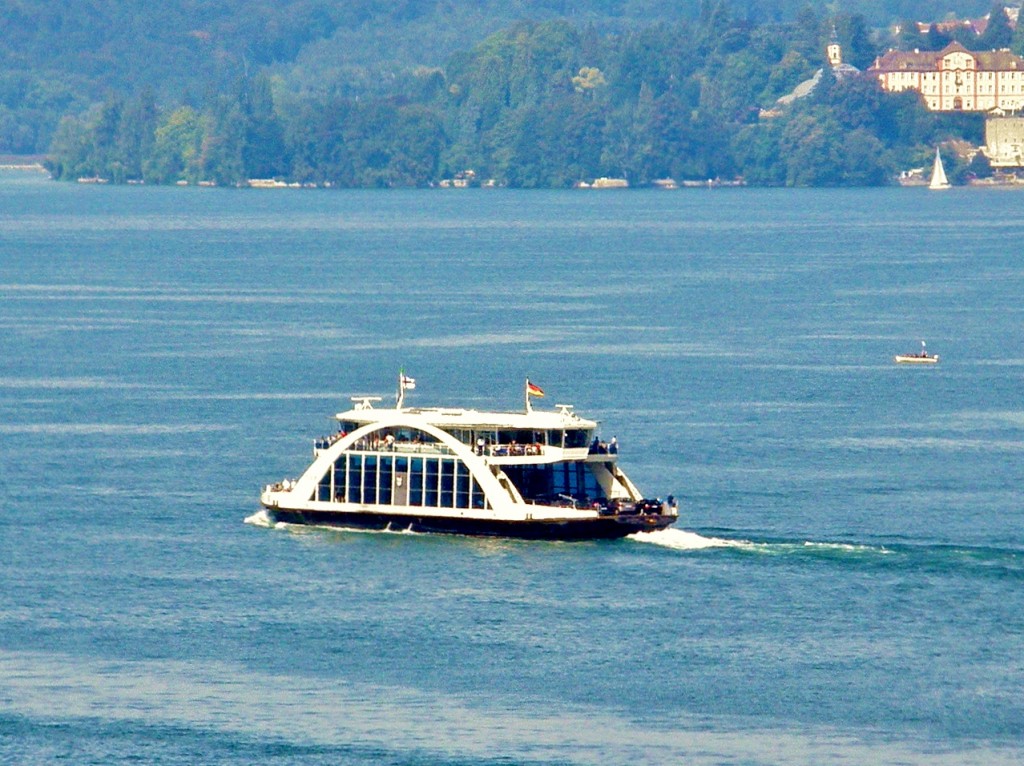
(899, 359)
(599, 528)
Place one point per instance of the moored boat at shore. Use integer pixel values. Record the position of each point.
(533, 474)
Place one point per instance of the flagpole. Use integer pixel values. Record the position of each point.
(529, 407)
(400, 399)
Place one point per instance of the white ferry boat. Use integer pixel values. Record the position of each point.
(533, 474)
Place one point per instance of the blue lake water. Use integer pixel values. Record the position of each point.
(846, 583)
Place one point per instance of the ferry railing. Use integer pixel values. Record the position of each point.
(513, 450)
(385, 446)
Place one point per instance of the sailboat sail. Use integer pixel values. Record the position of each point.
(938, 173)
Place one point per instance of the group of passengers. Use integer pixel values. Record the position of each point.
(598, 447)
(374, 442)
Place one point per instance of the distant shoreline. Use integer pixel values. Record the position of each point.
(35, 165)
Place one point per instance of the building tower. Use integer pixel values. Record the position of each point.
(834, 51)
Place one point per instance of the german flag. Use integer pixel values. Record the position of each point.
(533, 390)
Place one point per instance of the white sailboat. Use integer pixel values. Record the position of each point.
(938, 174)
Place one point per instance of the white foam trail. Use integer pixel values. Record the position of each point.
(845, 547)
(681, 540)
(260, 519)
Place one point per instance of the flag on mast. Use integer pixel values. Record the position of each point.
(405, 383)
(532, 390)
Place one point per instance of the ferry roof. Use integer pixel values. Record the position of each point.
(446, 418)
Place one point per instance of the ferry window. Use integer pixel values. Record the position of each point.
(370, 479)
(338, 469)
(323, 490)
(590, 485)
(386, 478)
(461, 485)
(573, 480)
(416, 481)
(430, 483)
(355, 479)
(447, 499)
(413, 436)
(575, 438)
(477, 498)
(555, 438)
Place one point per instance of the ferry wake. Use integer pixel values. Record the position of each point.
(533, 474)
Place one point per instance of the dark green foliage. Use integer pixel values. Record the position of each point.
(909, 38)
(998, 33)
(537, 104)
(855, 38)
(979, 167)
(1017, 41)
(935, 39)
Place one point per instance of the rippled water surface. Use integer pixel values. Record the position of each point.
(845, 585)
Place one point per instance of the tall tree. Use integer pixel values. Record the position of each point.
(1017, 43)
(998, 32)
(263, 151)
(176, 145)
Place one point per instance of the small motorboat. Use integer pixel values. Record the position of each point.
(922, 358)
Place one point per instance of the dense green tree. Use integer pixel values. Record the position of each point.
(136, 135)
(979, 166)
(855, 39)
(69, 150)
(1017, 41)
(262, 149)
(176, 146)
(909, 37)
(789, 72)
(756, 148)
(998, 32)
(936, 38)
(809, 36)
(220, 156)
(863, 159)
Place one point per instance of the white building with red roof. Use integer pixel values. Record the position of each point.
(955, 79)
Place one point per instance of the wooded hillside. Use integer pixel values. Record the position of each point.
(302, 91)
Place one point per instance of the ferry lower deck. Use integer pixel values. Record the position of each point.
(568, 529)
